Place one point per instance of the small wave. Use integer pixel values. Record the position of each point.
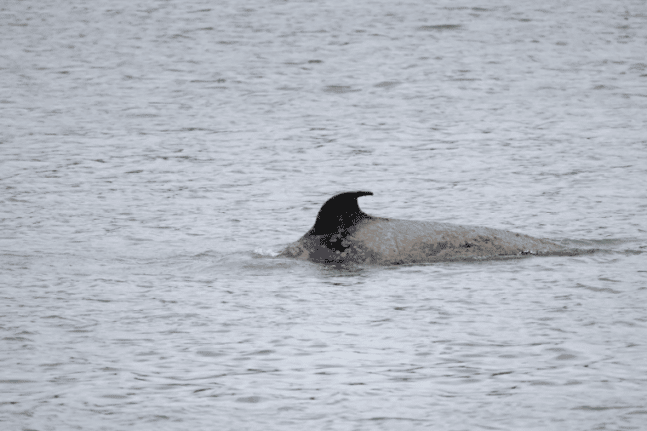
(440, 27)
(265, 252)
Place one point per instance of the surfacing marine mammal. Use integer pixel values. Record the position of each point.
(343, 233)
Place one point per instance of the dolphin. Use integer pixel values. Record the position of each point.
(343, 234)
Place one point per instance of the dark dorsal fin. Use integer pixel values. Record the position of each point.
(339, 213)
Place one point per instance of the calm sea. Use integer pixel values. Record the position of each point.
(155, 156)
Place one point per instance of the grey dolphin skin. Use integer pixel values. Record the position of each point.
(343, 233)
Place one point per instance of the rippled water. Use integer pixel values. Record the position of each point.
(155, 157)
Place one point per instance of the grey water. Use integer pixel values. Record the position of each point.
(156, 156)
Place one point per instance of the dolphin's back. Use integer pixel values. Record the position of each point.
(408, 241)
(344, 233)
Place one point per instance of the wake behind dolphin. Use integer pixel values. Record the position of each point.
(343, 233)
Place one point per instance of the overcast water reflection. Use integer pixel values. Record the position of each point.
(156, 156)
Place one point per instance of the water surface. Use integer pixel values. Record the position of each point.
(156, 156)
